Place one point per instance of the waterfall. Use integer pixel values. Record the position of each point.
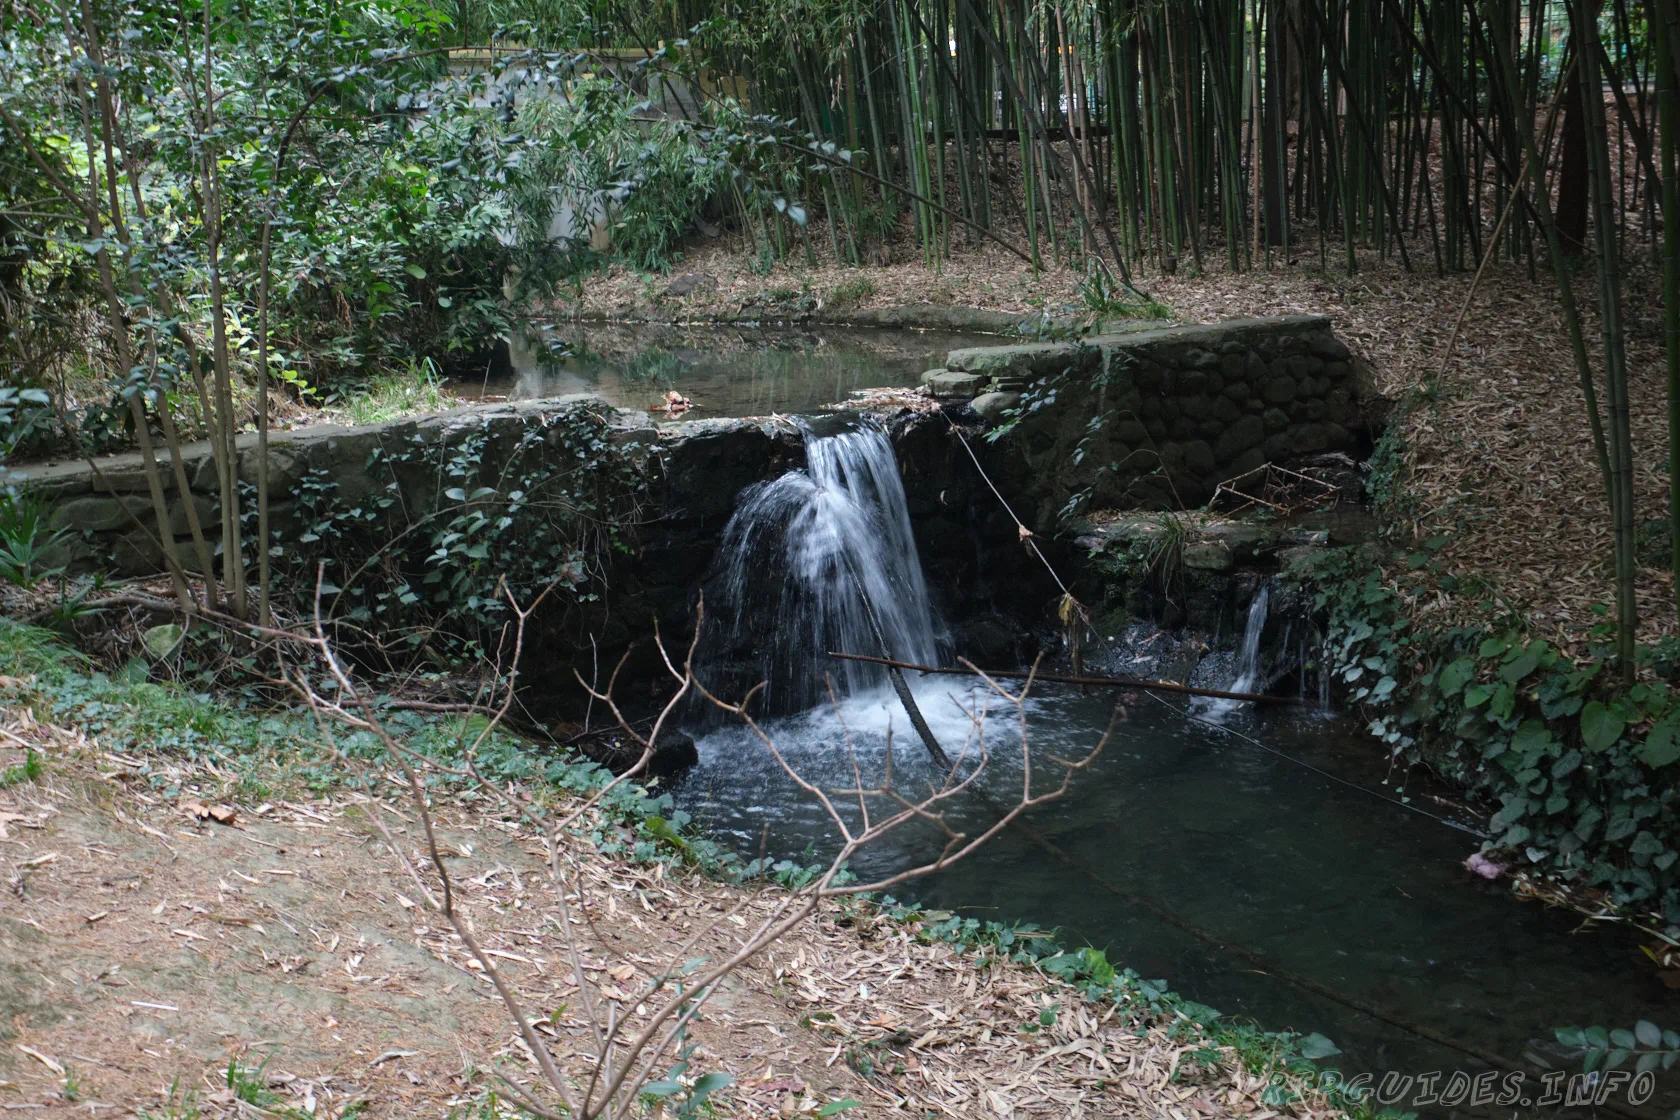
(1248, 662)
(804, 562)
(1248, 676)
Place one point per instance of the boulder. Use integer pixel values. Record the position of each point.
(1026, 362)
(1281, 389)
(992, 406)
(99, 514)
(951, 383)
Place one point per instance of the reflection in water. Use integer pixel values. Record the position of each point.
(1365, 899)
(724, 371)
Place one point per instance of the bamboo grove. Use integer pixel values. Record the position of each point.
(1125, 136)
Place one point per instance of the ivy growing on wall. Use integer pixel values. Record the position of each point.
(423, 541)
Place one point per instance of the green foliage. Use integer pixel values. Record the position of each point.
(25, 537)
(1388, 459)
(1647, 1044)
(1577, 763)
(29, 770)
(1105, 298)
(414, 387)
(26, 416)
(851, 291)
(510, 514)
(385, 220)
(181, 1104)
(596, 157)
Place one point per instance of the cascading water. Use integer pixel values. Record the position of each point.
(1248, 674)
(820, 559)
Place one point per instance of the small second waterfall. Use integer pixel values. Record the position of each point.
(819, 559)
(1249, 676)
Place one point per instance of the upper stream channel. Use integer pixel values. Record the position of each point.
(723, 371)
(1188, 850)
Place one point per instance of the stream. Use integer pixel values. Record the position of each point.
(723, 371)
(1185, 850)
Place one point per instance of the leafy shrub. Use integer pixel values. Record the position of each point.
(1582, 769)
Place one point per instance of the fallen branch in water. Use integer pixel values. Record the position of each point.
(1108, 682)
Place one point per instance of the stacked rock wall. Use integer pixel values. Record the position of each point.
(1156, 419)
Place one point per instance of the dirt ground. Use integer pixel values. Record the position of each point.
(144, 947)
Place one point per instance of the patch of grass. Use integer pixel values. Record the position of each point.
(29, 651)
(30, 770)
(1106, 297)
(416, 388)
(182, 1104)
(852, 290)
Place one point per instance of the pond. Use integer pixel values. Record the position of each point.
(1260, 864)
(723, 371)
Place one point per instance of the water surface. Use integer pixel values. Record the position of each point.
(1317, 879)
(724, 371)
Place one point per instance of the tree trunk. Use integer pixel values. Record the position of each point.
(1572, 201)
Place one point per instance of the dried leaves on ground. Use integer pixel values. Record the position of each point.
(147, 946)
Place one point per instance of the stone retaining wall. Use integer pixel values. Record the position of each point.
(1181, 409)
(704, 463)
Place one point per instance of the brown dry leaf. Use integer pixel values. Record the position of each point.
(623, 973)
(222, 814)
(197, 810)
(42, 1058)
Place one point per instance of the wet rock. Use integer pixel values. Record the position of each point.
(1301, 556)
(991, 406)
(1028, 362)
(990, 642)
(674, 753)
